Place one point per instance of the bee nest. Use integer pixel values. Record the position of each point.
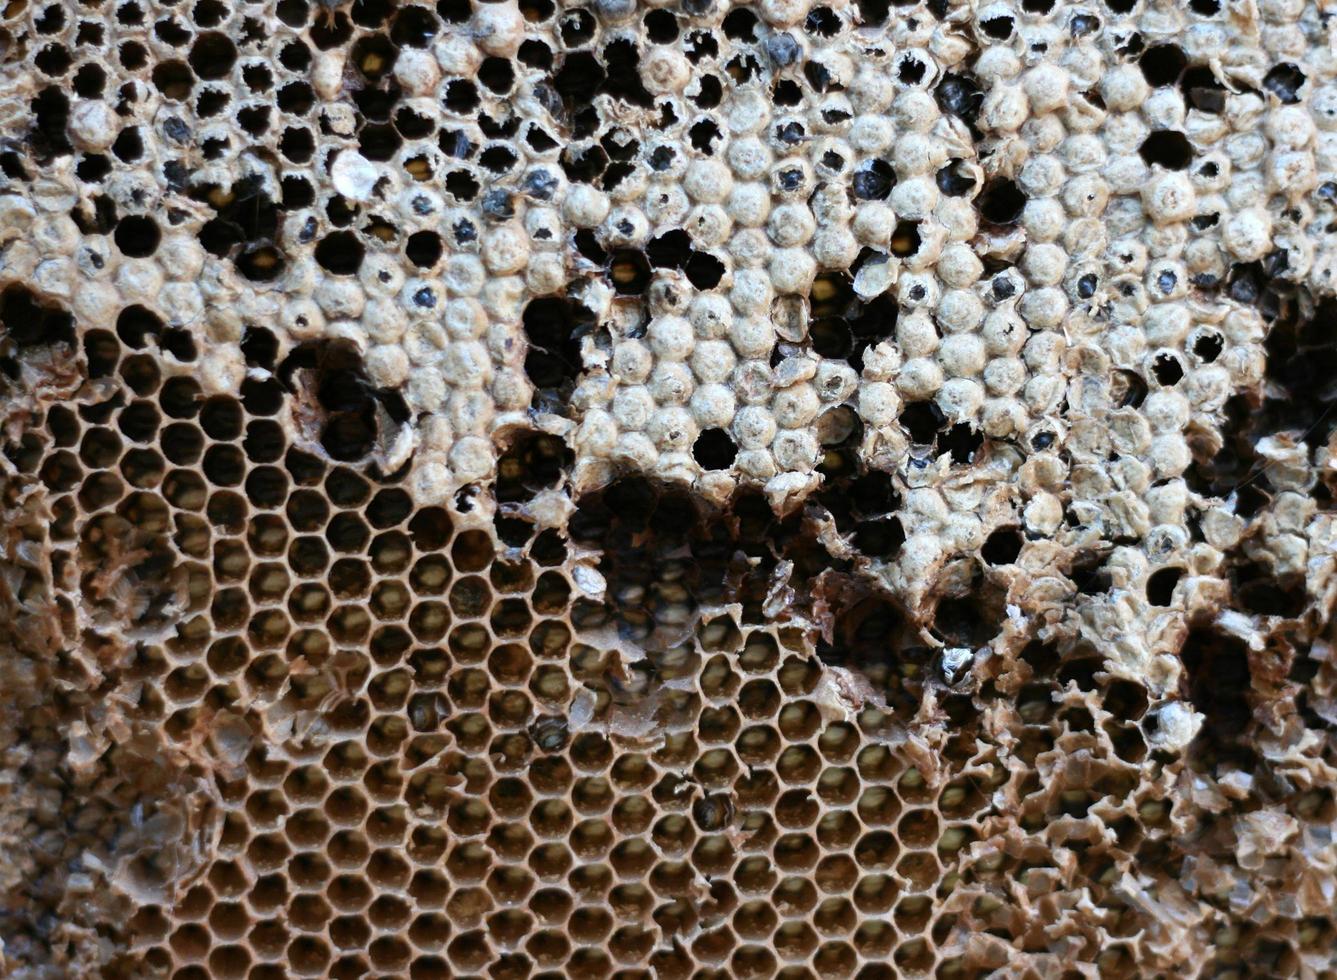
(667, 488)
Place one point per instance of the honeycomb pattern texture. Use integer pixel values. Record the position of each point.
(667, 488)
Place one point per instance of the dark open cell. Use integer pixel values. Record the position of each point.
(533, 462)
(53, 60)
(715, 449)
(179, 343)
(1167, 369)
(1209, 346)
(623, 78)
(260, 347)
(786, 92)
(1219, 681)
(962, 441)
(294, 13)
(353, 409)
(1001, 201)
(1162, 64)
(534, 53)
(1161, 585)
(661, 26)
(414, 27)
(873, 13)
(831, 337)
(911, 70)
(554, 326)
(89, 81)
(497, 74)
(672, 249)
(999, 28)
(710, 92)
(577, 27)
(629, 270)
(173, 79)
(1002, 546)
(212, 55)
(578, 78)
(340, 252)
(1285, 81)
(704, 270)
(1203, 90)
(922, 420)
(424, 249)
(880, 538)
(905, 240)
(135, 323)
(331, 31)
(29, 323)
(51, 113)
(822, 22)
(1168, 148)
(137, 235)
(462, 184)
(955, 180)
(260, 264)
(379, 141)
(703, 134)
(874, 180)
(133, 56)
(102, 352)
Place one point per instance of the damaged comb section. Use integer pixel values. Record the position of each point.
(611, 490)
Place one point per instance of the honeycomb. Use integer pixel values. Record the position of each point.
(667, 488)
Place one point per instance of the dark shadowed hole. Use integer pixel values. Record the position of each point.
(905, 240)
(955, 180)
(1001, 201)
(260, 347)
(424, 249)
(1259, 591)
(535, 461)
(922, 420)
(137, 236)
(1002, 546)
(704, 271)
(1127, 388)
(672, 249)
(102, 352)
(554, 326)
(1162, 64)
(1089, 575)
(970, 620)
(1161, 585)
(341, 253)
(213, 55)
(1168, 148)
(351, 406)
(874, 180)
(1219, 680)
(629, 270)
(714, 449)
(1284, 81)
(962, 440)
(880, 538)
(135, 324)
(1209, 346)
(960, 96)
(1203, 90)
(1167, 369)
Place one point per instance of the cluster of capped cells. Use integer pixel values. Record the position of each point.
(667, 488)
